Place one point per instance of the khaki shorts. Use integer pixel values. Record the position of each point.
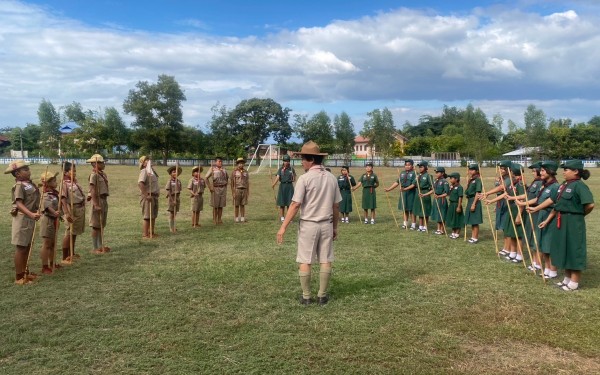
(47, 226)
(173, 204)
(78, 221)
(198, 203)
(146, 208)
(241, 197)
(219, 197)
(22, 230)
(315, 242)
(96, 216)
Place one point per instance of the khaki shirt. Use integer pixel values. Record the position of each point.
(100, 182)
(219, 176)
(173, 186)
(28, 193)
(316, 192)
(196, 185)
(74, 191)
(241, 179)
(151, 182)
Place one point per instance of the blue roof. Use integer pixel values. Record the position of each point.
(68, 127)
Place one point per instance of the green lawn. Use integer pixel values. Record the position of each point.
(224, 300)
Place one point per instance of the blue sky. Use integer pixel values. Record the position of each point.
(409, 56)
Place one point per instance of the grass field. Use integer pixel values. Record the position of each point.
(223, 300)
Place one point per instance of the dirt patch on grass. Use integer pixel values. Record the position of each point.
(521, 358)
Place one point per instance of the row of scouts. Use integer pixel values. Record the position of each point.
(49, 206)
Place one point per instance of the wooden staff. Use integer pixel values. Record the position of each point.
(512, 219)
(535, 241)
(390, 206)
(422, 207)
(523, 227)
(101, 214)
(39, 211)
(60, 191)
(494, 234)
(468, 181)
(438, 205)
(71, 205)
(151, 203)
(402, 199)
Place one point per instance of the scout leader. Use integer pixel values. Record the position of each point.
(49, 221)
(240, 190)
(149, 192)
(286, 175)
(26, 201)
(99, 196)
(217, 179)
(407, 183)
(73, 205)
(369, 182)
(345, 183)
(422, 202)
(173, 188)
(196, 186)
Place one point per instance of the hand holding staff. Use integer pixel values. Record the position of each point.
(57, 225)
(438, 205)
(402, 200)
(494, 234)
(39, 212)
(422, 206)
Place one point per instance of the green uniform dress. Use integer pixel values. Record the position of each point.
(405, 180)
(501, 206)
(533, 191)
(544, 239)
(454, 219)
(473, 188)
(568, 248)
(346, 203)
(424, 184)
(440, 186)
(286, 186)
(513, 209)
(369, 184)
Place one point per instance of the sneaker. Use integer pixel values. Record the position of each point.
(404, 227)
(366, 221)
(322, 301)
(515, 260)
(305, 301)
(347, 221)
(473, 240)
(566, 288)
(372, 221)
(548, 277)
(503, 253)
(412, 228)
(438, 232)
(282, 219)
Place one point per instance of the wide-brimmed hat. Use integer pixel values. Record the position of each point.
(572, 164)
(240, 160)
(286, 157)
(474, 166)
(440, 169)
(95, 158)
(16, 165)
(536, 165)
(550, 165)
(454, 175)
(311, 148)
(172, 168)
(47, 176)
(198, 169)
(142, 160)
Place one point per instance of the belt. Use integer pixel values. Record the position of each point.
(81, 204)
(569, 213)
(240, 188)
(287, 182)
(220, 185)
(345, 189)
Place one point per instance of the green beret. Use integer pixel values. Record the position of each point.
(474, 166)
(286, 157)
(423, 163)
(572, 164)
(505, 163)
(536, 165)
(550, 165)
(440, 169)
(454, 175)
(516, 169)
(369, 164)
(410, 161)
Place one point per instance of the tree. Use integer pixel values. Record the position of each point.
(256, 119)
(30, 135)
(418, 146)
(535, 126)
(318, 129)
(116, 132)
(73, 112)
(50, 128)
(379, 129)
(222, 128)
(158, 116)
(480, 135)
(344, 135)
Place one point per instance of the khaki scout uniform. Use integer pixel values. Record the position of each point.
(72, 193)
(219, 182)
(173, 188)
(316, 191)
(151, 182)
(22, 225)
(240, 184)
(99, 182)
(197, 186)
(48, 222)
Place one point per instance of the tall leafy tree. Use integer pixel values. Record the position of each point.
(73, 112)
(344, 134)
(479, 133)
(158, 116)
(50, 128)
(379, 129)
(256, 119)
(318, 129)
(225, 143)
(116, 132)
(535, 126)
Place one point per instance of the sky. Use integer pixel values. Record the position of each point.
(412, 57)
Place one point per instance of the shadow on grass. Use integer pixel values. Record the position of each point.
(342, 287)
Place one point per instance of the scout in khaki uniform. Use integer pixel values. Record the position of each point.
(473, 210)
(173, 188)
(217, 179)
(286, 175)
(439, 206)
(240, 190)
(568, 247)
(196, 186)
(317, 196)
(422, 203)
(369, 182)
(345, 183)
(99, 198)
(73, 205)
(25, 200)
(408, 188)
(49, 220)
(149, 192)
(454, 214)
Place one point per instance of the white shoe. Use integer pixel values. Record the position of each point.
(282, 219)
(372, 221)
(366, 221)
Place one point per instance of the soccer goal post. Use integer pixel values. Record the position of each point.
(265, 157)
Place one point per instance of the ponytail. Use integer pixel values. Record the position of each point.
(584, 173)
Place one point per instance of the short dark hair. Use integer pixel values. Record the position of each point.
(67, 166)
(316, 159)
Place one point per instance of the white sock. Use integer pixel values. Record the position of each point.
(566, 280)
(552, 273)
(519, 257)
(546, 271)
(237, 219)
(573, 285)
(512, 255)
(242, 219)
(413, 225)
(405, 223)
(282, 218)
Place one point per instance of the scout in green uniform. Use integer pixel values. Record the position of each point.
(542, 205)
(408, 189)
(531, 193)
(99, 196)
(440, 191)
(473, 211)
(73, 206)
(502, 184)
(196, 186)
(568, 248)
(369, 182)
(240, 190)
(217, 180)
(149, 192)
(25, 200)
(454, 214)
(49, 220)
(173, 188)
(286, 175)
(513, 228)
(422, 202)
(345, 183)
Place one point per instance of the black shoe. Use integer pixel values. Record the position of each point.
(323, 300)
(305, 301)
